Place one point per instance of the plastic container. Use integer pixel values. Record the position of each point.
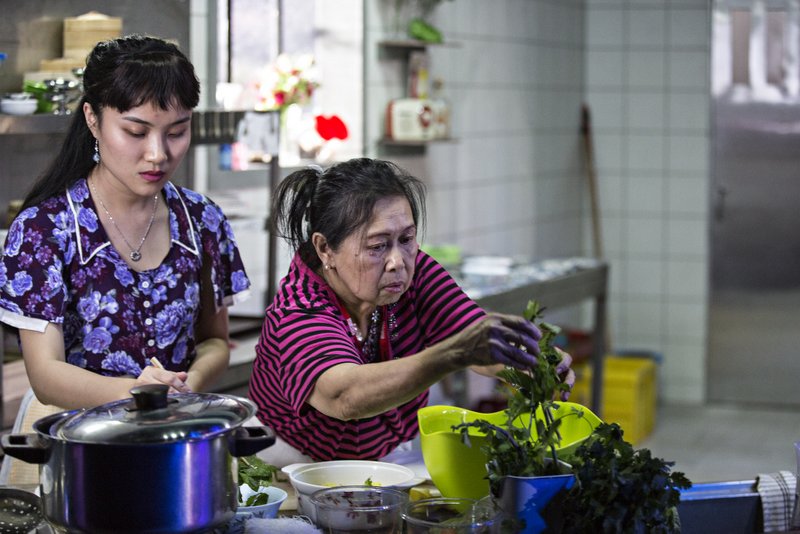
(450, 516)
(629, 393)
(307, 478)
(359, 509)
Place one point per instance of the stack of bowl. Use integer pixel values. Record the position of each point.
(18, 104)
(306, 479)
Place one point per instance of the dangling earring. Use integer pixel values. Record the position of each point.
(96, 155)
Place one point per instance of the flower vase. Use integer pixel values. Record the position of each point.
(289, 150)
(535, 500)
(399, 19)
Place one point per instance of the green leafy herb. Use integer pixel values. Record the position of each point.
(622, 489)
(618, 489)
(526, 444)
(255, 473)
(368, 482)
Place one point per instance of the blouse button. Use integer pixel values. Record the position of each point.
(145, 284)
(151, 342)
(146, 304)
(148, 321)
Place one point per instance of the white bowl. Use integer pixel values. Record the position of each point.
(308, 478)
(263, 511)
(14, 106)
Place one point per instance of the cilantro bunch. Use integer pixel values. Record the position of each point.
(622, 489)
(526, 444)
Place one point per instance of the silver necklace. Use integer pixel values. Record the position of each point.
(354, 330)
(370, 343)
(135, 254)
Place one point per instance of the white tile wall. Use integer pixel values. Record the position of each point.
(514, 78)
(514, 182)
(647, 80)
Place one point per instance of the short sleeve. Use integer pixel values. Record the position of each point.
(310, 344)
(32, 288)
(443, 308)
(230, 281)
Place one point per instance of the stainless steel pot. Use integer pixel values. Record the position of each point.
(150, 464)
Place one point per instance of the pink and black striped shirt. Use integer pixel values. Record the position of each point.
(305, 333)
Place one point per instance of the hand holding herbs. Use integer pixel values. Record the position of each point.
(255, 473)
(526, 445)
(618, 489)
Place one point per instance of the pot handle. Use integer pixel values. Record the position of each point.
(248, 440)
(29, 448)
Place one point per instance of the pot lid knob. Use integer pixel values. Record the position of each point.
(150, 396)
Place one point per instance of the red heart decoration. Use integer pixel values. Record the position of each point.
(330, 127)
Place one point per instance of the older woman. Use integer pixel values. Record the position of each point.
(365, 322)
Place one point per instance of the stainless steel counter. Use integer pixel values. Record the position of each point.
(33, 124)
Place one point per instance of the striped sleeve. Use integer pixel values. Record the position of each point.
(443, 308)
(309, 343)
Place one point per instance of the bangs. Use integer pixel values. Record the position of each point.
(156, 78)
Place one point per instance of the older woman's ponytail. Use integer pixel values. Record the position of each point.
(291, 210)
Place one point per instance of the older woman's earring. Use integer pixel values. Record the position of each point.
(96, 155)
(327, 267)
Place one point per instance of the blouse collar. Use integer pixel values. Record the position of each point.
(91, 239)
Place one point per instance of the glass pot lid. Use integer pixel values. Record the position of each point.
(153, 417)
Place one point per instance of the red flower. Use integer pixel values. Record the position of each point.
(330, 127)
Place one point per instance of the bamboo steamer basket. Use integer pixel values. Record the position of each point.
(82, 33)
(61, 65)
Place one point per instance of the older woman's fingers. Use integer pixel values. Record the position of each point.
(569, 380)
(565, 363)
(519, 338)
(507, 354)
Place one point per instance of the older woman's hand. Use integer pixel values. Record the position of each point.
(499, 339)
(508, 340)
(566, 373)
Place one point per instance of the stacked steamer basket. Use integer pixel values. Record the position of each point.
(80, 35)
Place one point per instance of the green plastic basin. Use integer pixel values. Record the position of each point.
(459, 470)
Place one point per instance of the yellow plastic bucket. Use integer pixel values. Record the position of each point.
(459, 470)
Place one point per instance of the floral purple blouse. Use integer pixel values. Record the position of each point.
(59, 266)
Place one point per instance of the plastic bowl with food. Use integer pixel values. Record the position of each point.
(307, 478)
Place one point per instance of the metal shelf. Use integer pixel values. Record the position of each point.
(412, 44)
(387, 141)
(208, 127)
(34, 124)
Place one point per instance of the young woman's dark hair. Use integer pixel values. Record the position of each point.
(338, 201)
(122, 74)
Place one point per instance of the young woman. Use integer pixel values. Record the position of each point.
(113, 275)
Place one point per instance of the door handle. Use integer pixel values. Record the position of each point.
(719, 203)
